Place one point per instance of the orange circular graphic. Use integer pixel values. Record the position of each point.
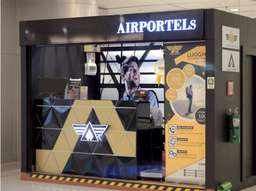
(171, 95)
(189, 70)
(175, 78)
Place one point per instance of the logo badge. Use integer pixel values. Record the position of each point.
(90, 132)
(175, 50)
(231, 37)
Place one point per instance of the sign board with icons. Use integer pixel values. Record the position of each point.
(230, 60)
(230, 38)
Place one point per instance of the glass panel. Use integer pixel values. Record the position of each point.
(159, 92)
(108, 79)
(155, 54)
(147, 67)
(110, 94)
(161, 106)
(147, 79)
(114, 66)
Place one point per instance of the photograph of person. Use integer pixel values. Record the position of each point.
(72, 90)
(130, 75)
(189, 94)
(189, 98)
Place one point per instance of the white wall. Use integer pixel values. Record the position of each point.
(14, 11)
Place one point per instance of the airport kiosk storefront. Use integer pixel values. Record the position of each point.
(140, 102)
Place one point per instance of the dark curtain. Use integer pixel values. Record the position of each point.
(55, 62)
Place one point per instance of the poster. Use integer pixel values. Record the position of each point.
(185, 113)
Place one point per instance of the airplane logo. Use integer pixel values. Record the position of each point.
(90, 132)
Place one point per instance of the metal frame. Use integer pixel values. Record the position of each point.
(246, 51)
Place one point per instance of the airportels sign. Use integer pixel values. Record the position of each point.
(168, 25)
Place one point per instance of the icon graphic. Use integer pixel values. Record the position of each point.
(231, 62)
(173, 141)
(90, 132)
(231, 37)
(173, 129)
(173, 153)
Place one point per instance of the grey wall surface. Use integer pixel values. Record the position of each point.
(13, 11)
(10, 83)
(225, 163)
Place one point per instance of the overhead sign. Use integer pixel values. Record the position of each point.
(230, 61)
(168, 25)
(230, 37)
(182, 25)
(90, 132)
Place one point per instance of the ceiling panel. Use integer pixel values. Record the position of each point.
(245, 7)
(140, 9)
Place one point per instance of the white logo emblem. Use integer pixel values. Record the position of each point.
(90, 132)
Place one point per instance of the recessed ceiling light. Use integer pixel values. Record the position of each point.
(234, 9)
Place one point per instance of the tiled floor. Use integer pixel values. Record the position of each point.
(10, 182)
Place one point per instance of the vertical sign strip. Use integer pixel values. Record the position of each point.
(185, 113)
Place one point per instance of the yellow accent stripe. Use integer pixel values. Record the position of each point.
(54, 177)
(61, 178)
(47, 177)
(82, 180)
(128, 185)
(144, 186)
(120, 184)
(97, 182)
(104, 182)
(114, 183)
(89, 181)
(152, 187)
(161, 188)
(136, 185)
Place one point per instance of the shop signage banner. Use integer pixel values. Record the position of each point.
(167, 25)
(185, 113)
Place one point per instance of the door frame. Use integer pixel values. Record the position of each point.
(245, 51)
